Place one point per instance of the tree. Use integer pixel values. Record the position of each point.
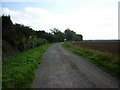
(79, 37)
(72, 36)
(59, 36)
(69, 34)
(22, 36)
(49, 37)
(7, 29)
(40, 33)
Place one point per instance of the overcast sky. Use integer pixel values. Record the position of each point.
(94, 19)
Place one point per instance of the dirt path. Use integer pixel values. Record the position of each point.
(62, 69)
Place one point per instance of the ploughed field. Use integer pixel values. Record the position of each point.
(104, 46)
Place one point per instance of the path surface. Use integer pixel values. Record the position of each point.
(62, 69)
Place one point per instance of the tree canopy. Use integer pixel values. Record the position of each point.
(72, 36)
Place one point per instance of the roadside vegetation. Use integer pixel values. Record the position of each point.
(22, 50)
(107, 61)
(18, 72)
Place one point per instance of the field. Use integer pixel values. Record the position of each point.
(104, 46)
(104, 54)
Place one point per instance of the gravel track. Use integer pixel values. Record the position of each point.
(62, 69)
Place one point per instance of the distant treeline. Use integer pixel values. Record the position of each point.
(20, 37)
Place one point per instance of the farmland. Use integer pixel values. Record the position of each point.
(104, 46)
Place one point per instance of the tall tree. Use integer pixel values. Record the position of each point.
(72, 36)
(7, 28)
(58, 34)
(69, 34)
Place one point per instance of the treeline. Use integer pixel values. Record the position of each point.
(20, 38)
(57, 36)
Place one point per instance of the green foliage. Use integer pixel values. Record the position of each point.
(105, 61)
(8, 51)
(72, 36)
(59, 36)
(7, 27)
(40, 33)
(49, 37)
(35, 42)
(55, 36)
(18, 72)
(17, 37)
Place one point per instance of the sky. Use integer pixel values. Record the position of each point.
(94, 19)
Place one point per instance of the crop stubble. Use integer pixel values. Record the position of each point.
(109, 47)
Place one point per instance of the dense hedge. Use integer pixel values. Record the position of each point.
(18, 38)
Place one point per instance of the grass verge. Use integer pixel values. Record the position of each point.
(106, 61)
(18, 72)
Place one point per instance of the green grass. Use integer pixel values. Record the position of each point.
(106, 61)
(18, 72)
